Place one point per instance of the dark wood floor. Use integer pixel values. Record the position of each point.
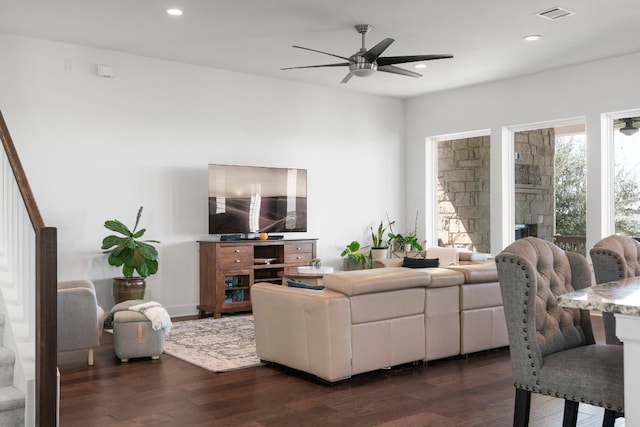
(472, 391)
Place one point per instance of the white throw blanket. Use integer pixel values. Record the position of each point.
(160, 319)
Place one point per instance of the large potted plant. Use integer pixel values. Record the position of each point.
(137, 258)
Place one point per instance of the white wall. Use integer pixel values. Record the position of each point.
(584, 91)
(96, 148)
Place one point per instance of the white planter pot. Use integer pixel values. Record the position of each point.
(379, 253)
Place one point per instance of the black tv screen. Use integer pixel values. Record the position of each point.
(252, 199)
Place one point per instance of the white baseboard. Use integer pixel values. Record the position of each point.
(181, 310)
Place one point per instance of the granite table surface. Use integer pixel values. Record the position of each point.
(620, 296)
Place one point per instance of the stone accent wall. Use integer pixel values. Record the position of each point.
(534, 175)
(463, 193)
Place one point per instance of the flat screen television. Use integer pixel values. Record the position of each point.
(252, 199)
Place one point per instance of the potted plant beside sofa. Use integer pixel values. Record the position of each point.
(379, 247)
(135, 256)
(356, 257)
(407, 242)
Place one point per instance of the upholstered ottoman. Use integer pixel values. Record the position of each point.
(133, 336)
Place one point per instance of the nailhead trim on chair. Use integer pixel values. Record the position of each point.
(608, 253)
(528, 347)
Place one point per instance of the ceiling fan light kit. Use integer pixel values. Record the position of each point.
(628, 129)
(365, 62)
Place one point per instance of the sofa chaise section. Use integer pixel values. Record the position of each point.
(303, 329)
(362, 321)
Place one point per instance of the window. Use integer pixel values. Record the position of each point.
(626, 188)
(463, 193)
(571, 191)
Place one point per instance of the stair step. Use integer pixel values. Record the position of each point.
(11, 398)
(7, 360)
(11, 407)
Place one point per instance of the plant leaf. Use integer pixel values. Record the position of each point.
(147, 251)
(127, 271)
(117, 226)
(116, 261)
(110, 241)
(139, 234)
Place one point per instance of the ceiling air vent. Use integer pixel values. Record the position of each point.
(555, 13)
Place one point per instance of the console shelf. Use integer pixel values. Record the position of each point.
(228, 270)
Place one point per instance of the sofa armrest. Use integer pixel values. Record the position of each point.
(303, 329)
(79, 316)
(369, 281)
(478, 273)
(387, 262)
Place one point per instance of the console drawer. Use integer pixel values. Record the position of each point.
(233, 257)
(296, 258)
(296, 248)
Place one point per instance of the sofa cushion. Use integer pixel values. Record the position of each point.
(420, 262)
(361, 282)
(447, 256)
(478, 273)
(387, 262)
(442, 277)
(480, 295)
(376, 307)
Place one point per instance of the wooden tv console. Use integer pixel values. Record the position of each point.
(228, 269)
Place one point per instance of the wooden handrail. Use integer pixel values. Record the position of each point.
(46, 303)
(20, 176)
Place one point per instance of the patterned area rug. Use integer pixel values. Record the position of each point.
(218, 345)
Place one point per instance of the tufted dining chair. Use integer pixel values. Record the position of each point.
(552, 348)
(614, 258)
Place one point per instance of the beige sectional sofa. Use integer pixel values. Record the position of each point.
(372, 319)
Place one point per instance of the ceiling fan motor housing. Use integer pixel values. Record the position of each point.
(361, 67)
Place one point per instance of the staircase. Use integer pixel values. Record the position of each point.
(28, 300)
(12, 400)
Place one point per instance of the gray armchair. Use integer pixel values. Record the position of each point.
(553, 351)
(614, 258)
(79, 317)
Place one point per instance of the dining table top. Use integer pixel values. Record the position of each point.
(619, 296)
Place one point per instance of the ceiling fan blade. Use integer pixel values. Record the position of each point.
(373, 53)
(341, 64)
(346, 78)
(319, 51)
(397, 70)
(390, 60)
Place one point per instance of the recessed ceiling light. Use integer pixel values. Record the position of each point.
(532, 37)
(420, 66)
(174, 12)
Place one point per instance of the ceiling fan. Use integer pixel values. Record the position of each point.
(365, 62)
